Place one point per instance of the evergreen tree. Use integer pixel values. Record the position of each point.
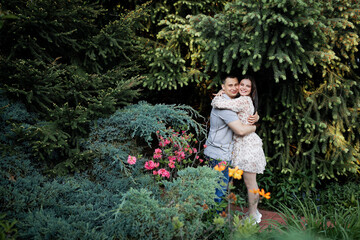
(69, 69)
(310, 121)
(171, 58)
(274, 35)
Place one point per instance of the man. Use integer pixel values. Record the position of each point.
(223, 124)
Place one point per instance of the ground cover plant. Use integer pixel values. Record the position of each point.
(95, 204)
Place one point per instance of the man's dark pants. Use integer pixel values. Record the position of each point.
(220, 192)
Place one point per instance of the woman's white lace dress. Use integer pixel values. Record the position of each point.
(247, 153)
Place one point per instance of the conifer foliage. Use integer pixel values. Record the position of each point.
(173, 53)
(276, 35)
(70, 63)
(111, 199)
(310, 121)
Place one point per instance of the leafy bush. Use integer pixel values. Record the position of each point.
(143, 120)
(333, 224)
(177, 214)
(284, 188)
(64, 207)
(12, 113)
(176, 152)
(339, 196)
(287, 190)
(110, 205)
(129, 130)
(244, 229)
(189, 193)
(93, 204)
(66, 101)
(7, 228)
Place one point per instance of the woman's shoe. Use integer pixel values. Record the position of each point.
(254, 219)
(258, 216)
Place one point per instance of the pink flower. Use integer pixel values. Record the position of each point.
(157, 153)
(205, 146)
(195, 150)
(163, 142)
(155, 173)
(180, 155)
(131, 160)
(201, 160)
(162, 172)
(171, 164)
(150, 165)
(197, 157)
(172, 158)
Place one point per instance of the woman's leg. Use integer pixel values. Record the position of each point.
(251, 184)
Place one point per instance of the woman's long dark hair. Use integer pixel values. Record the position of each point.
(253, 93)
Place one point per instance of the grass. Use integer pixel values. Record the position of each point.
(308, 222)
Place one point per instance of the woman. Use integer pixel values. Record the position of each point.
(247, 153)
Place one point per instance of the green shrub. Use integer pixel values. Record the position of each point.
(7, 228)
(69, 72)
(178, 213)
(64, 207)
(284, 189)
(188, 193)
(66, 101)
(129, 130)
(95, 204)
(333, 224)
(143, 120)
(141, 216)
(111, 205)
(339, 196)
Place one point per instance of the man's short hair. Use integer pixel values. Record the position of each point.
(229, 76)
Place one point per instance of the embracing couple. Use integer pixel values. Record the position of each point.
(232, 136)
